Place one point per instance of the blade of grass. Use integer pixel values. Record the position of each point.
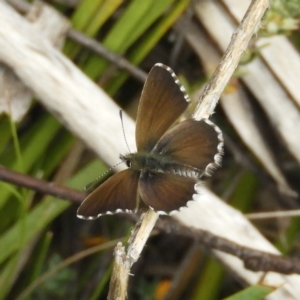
(89, 18)
(7, 275)
(13, 266)
(101, 285)
(255, 292)
(246, 188)
(107, 8)
(84, 13)
(143, 49)
(17, 149)
(5, 132)
(41, 251)
(33, 144)
(42, 214)
(136, 19)
(210, 279)
(55, 154)
(64, 264)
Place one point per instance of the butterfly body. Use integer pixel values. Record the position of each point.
(153, 163)
(170, 159)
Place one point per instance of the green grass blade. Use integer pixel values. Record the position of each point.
(33, 146)
(148, 43)
(107, 8)
(43, 213)
(209, 282)
(255, 292)
(137, 18)
(5, 132)
(84, 13)
(89, 18)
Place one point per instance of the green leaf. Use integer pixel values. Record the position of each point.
(255, 292)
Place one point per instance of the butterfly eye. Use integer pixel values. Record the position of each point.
(126, 160)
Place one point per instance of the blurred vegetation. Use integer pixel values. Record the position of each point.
(46, 252)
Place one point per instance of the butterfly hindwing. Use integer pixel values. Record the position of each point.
(192, 143)
(117, 194)
(163, 100)
(165, 192)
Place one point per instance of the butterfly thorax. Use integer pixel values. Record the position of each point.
(159, 163)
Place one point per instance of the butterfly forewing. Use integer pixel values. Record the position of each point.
(117, 194)
(165, 192)
(163, 100)
(192, 143)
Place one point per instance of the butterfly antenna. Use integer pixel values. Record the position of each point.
(121, 162)
(95, 183)
(121, 117)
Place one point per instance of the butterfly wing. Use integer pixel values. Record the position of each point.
(165, 192)
(117, 194)
(163, 100)
(193, 143)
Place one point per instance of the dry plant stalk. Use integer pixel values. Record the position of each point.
(206, 106)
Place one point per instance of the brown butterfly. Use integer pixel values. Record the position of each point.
(169, 161)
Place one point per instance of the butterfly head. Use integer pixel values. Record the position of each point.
(126, 159)
(135, 161)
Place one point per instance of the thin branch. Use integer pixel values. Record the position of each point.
(254, 260)
(274, 214)
(112, 57)
(231, 58)
(42, 186)
(124, 260)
